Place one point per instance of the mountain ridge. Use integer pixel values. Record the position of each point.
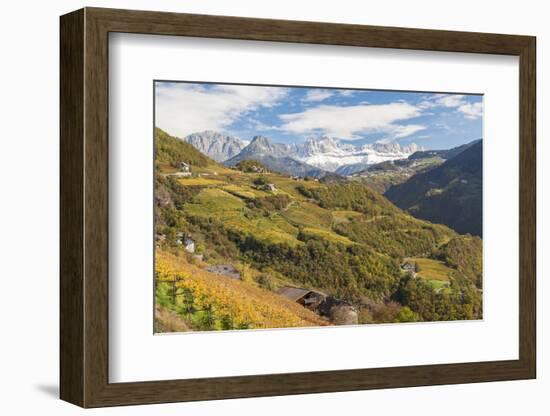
(215, 145)
(323, 152)
(449, 194)
(275, 156)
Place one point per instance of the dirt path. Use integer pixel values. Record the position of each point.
(285, 209)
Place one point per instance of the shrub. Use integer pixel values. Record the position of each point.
(407, 315)
(260, 181)
(265, 281)
(250, 165)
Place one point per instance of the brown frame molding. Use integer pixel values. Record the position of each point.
(84, 207)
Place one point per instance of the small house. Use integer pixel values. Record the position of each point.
(409, 266)
(310, 299)
(257, 169)
(189, 245)
(184, 167)
(270, 187)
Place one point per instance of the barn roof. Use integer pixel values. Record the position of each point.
(293, 293)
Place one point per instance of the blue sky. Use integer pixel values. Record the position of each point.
(291, 114)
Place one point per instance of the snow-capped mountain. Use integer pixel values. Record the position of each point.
(322, 145)
(330, 154)
(314, 155)
(395, 147)
(217, 146)
(276, 157)
(261, 145)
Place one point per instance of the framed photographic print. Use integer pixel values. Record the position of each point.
(255, 207)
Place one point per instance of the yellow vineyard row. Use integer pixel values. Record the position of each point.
(243, 303)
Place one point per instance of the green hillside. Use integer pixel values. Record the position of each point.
(170, 152)
(449, 194)
(382, 176)
(341, 238)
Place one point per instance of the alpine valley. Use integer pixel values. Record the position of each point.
(259, 234)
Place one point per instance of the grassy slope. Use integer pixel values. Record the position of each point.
(432, 269)
(347, 214)
(226, 197)
(167, 320)
(171, 151)
(384, 175)
(450, 194)
(244, 303)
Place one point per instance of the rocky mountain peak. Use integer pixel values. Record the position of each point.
(216, 145)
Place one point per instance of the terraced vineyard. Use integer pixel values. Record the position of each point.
(343, 240)
(209, 301)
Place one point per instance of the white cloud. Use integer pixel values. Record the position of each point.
(471, 110)
(318, 95)
(401, 131)
(426, 104)
(182, 109)
(346, 93)
(423, 137)
(455, 100)
(406, 130)
(346, 122)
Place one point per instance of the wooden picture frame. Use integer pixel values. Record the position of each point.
(84, 207)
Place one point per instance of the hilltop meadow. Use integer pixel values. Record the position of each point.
(370, 261)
